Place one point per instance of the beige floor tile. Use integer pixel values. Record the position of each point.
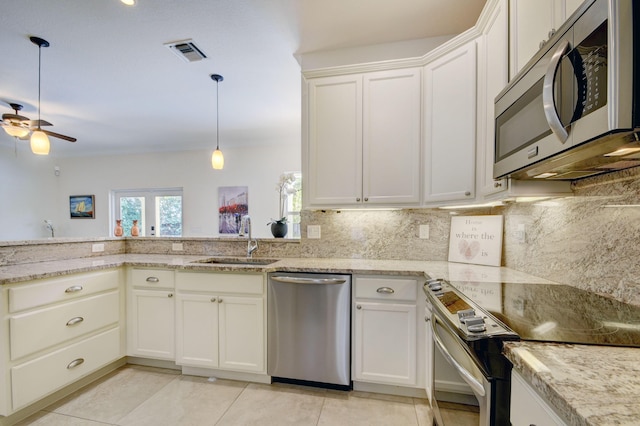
(367, 411)
(423, 412)
(459, 417)
(187, 401)
(267, 405)
(114, 396)
(43, 418)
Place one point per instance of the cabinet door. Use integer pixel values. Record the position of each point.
(151, 324)
(450, 126)
(527, 407)
(530, 22)
(335, 141)
(241, 339)
(385, 343)
(197, 330)
(391, 137)
(492, 78)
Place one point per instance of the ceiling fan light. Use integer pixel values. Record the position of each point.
(217, 160)
(40, 143)
(16, 131)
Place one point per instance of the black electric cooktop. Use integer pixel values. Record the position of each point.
(557, 313)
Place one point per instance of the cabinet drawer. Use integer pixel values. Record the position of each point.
(220, 282)
(60, 323)
(52, 290)
(152, 278)
(34, 379)
(386, 288)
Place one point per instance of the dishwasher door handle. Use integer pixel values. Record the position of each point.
(305, 280)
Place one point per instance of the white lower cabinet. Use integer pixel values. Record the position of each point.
(527, 407)
(220, 321)
(55, 331)
(151, 314)
(385, 331)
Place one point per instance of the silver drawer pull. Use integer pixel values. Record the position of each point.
(385, 290)
(170, 295)
(74, 321)
(73, 289)
(153, 279)
(75, 363)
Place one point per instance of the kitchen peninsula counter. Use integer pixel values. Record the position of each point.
(585, 384)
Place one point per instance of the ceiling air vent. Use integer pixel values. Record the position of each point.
(186, 50)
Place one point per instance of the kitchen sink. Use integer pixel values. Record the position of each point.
(240, 261)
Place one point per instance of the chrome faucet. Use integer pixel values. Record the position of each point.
(245, 229)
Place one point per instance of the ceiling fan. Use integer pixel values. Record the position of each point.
(21, 127)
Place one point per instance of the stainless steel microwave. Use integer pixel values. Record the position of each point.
(573, 110)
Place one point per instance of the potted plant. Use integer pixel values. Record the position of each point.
(285, 187)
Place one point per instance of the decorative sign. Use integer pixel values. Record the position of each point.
(476, 239)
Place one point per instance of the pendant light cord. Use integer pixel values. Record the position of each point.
(39, 78)
(217, 116)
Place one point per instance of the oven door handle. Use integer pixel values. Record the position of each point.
(548, 102)
(475, 385)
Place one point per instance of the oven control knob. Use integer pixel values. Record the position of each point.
(474, 320)
(435, 286)
(477, 328)
(463, 315)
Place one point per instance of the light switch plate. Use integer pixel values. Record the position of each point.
(313, 231)
(521, 234)
(177, 247)
(97, 248)
(424, 232)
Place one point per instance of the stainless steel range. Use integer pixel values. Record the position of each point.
(471, 320)
(470, 340)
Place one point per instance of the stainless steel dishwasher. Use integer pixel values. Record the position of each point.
(309, 329)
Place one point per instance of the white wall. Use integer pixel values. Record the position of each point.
(28, 192)
(257, 167)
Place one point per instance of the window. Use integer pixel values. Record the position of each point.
(158, 211)
(293, 206)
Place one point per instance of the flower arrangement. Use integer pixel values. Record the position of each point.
(284, 187)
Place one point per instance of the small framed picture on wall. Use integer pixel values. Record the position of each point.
(82, 206)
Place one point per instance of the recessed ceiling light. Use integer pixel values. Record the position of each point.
(129, 2)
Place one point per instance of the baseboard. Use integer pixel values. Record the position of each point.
(228, 375)
(389, 389)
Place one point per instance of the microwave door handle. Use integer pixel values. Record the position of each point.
(547, 93)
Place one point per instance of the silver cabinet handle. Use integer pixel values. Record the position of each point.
(213, 299)
(385, 290)
(74, 321)
(497, 184)
(75, 363)
(366, 198)
(475, 385)
(304, 280)
(153, 279)
(467, 193)
(548, 102)
(220, 300)
(358, 307)
(170, 295)
(358, 199)
(73, 289)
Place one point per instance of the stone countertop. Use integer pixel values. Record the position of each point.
(586, 385)
(431, 269)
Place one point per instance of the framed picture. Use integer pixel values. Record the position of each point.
(233, 203)
(82, 206)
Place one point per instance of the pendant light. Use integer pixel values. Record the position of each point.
(39, 141)
(217, 159)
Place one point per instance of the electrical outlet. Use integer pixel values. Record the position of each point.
(177, 247)
(424, 232)
(313, 231)
(521, 235)
(97, 248)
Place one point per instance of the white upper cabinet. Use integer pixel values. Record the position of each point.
(364, 139)
(493, 75)
(450, 126)
(532, 23)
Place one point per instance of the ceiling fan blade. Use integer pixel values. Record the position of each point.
(59, 136)
(14, 117)
(36, 123)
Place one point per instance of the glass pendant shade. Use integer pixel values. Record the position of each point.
(217, 160)
(16, 131)
(40, 143)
